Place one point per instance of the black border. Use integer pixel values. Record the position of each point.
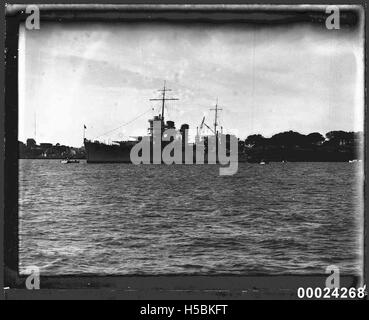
(135, 287)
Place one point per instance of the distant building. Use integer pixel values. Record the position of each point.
(31, 143)
(21, 148)
(45, 146)
(31, 150)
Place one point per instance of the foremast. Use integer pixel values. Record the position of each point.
(163, 99)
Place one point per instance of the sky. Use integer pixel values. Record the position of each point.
(267, 79)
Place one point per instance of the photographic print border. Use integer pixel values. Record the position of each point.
(134, 287)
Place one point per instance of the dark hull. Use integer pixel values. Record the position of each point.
(103, 153)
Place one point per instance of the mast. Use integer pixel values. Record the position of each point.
(216, 109)
(163, 99)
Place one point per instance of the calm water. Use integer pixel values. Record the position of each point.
(158, 219)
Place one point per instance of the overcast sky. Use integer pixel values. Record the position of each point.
(267, 79)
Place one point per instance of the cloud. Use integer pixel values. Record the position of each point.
(266, 79)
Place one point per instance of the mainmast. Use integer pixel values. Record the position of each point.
(163, 99)
(216, 109)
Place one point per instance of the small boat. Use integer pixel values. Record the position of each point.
(352, 161)
(263, 162)
(69, 161)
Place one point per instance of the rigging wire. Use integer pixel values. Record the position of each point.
(124, 124)
(167, 109)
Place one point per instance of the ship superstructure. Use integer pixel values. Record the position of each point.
(120, 151)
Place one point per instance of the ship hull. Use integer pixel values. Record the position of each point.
(103, 153)
(97, 152)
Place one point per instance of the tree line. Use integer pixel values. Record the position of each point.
(295, 139)
(294, 146)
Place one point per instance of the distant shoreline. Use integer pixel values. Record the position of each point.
(288, 146)
(43, 158)
(240, 161)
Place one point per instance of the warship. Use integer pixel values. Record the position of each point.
(120, 151)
